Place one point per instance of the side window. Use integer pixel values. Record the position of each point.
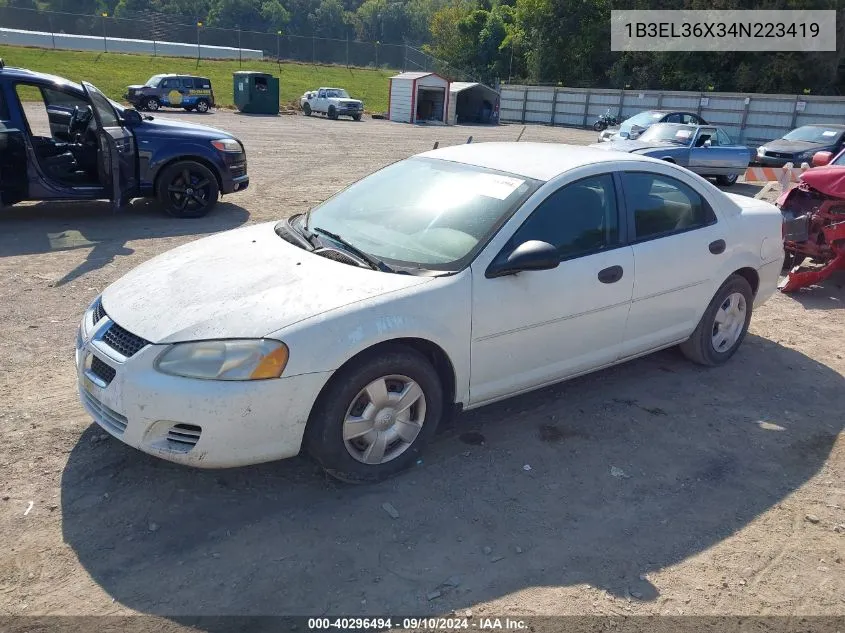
(187, 83)
(202, 84)
(723, 138)
(661, 205)
(674, 118)
(170, 83)
(62, 99)
(34, 108)
(321, 94)
(706, 134)
(103, 109)
(578, 219)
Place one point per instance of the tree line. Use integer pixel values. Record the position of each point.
(563, 42)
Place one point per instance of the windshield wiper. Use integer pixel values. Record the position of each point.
(375, 264)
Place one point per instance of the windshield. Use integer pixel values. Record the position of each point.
(422, 212)
(337, 92)
(152, 82)
(814, 134)
(643, 119)
(668, 133)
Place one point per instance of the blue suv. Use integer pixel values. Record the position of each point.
(60, 140)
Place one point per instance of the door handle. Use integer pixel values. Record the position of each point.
(717, 247)
(611, 275)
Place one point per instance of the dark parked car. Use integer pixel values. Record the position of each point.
(633, 126)
(800, 144)
(704, 149)
(73, 143)
(175, 91)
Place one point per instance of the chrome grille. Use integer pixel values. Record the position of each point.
(183, 436)
(99, 312)
(123, 341)
(101, 370)
(110, 420)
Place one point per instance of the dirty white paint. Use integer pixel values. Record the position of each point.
(404, 92)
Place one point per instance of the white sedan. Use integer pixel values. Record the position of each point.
(449, 280)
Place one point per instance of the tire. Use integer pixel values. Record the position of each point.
(152, 104)
(727, 181)
(357, 117)
(702, 347)
(792, 259)
(346, 396)
(332, 113)
(203, 106)
(306, 109)
(599, 126)
(172, 192)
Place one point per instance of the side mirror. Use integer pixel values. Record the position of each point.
(820, 159)
(530, 255)
(131, 116)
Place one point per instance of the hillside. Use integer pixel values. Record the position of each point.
(112, 72)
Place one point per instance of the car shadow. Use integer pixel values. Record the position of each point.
(599, 480)
(57, 226)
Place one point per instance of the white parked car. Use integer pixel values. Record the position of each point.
(449, 280)
(333, 102)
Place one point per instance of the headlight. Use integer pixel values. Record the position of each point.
(227, 145)
(225, 360)
(806, 155)
(761, 151)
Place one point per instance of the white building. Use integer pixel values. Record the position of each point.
(417, 97)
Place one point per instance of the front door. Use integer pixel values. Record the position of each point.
(537, 327)
(118, 155)
(713, 154)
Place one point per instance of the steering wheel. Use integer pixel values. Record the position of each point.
(73, 122)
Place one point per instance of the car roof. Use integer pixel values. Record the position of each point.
(24, 74)
(539, 161)
(836, 126)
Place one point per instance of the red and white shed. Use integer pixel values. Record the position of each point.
(417, 97)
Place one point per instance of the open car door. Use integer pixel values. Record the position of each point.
(117, 154)
(13, 176)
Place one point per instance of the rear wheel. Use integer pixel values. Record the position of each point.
(727, 181)
(599, 126)
(203, 106)
(375, 416)
(306, 109)
(187, 189)
(152, 104)
(723, 326)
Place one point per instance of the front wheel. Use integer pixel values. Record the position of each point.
(357, 117)
(187, 189)
(723, 326)
(375, 416)
(152, 104)
(599, 126)
(727, 181)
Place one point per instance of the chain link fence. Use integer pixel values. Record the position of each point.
(160, 28)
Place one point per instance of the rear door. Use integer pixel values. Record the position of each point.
(13, 173)
(117, 151)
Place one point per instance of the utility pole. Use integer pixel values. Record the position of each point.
(105, 41)
(199, 50)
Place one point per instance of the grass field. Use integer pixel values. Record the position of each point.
(112, 72)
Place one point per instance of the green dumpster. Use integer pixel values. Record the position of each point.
(256, 93)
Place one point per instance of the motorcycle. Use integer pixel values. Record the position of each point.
(605, 121)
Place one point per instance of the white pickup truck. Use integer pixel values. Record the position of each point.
(333, 102)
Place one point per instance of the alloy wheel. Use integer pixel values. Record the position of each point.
(189, 191)
(729, 322)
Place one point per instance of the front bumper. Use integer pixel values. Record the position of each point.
(774, 161)
(235, 177)
(201, 423)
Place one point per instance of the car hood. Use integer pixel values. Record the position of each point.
(794, 147)
(344, 100)
(159, 126)
(633, 146)
(246, 283)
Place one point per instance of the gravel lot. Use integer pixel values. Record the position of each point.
(656, 487)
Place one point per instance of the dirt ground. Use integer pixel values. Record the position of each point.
(656, 487)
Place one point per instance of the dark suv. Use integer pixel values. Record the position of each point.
(175, 91)
(70, 142)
